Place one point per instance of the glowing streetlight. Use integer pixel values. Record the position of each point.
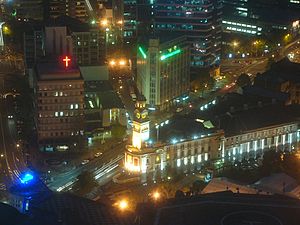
(112, 62)
(122, 62)
(123, 205)
(18, 145)
(2, 155)
(104, 22)
(235, 44)
(156, 195)
(120, 22)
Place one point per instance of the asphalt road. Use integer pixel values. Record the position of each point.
(12, 161)
(65, 180)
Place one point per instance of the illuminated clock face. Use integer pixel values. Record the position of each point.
(138, 115)
(144, 115)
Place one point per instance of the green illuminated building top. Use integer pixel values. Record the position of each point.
(161, 66)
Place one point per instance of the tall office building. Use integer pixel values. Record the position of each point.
(29, 9)
(59, 106)
(65, 36)
(258, 17)
(78, 9)
(200, 21)
(163, 71)
(130, 26)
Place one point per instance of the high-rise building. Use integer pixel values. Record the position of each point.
(200, 21)
(130, 13)
(59, 106)
(258, 17)
(33, 46)
(65, 36)
(29, 9)
(78, 9)
(161, 66)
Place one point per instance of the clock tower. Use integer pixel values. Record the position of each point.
(140, 123)
(140, 133)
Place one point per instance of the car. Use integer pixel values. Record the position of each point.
(98, 154)
(179, 109)
(10, 117)
(85, 161)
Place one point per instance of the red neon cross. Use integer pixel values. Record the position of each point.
(66, 60)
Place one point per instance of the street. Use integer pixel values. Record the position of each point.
(12, 157)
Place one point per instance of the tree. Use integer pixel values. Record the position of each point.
(271, 163)
(243, 80)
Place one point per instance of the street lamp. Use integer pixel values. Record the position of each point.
(112, 62)
(235, 44)
(104, 22)
(156, 195)
(123, 205)
(157, 126)
(122, 62)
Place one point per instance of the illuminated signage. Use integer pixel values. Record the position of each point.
(66, 60)
(170, 54)
(142, 52)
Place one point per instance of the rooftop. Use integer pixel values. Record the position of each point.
(224, 208)
(55, 71)
(94, 73)
(72, 23)
(281, 71)
(97, 86)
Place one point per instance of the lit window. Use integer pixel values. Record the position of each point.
(71, 106)
(157, 158)
(56, 114)
(61, 113)
(178, 162)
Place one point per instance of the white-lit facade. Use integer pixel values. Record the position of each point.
(252, 144)
(136, 152)
(214, 149)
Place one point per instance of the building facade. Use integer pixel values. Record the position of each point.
(254, 17)
(160, 160)
(130, 22)
(200, 21)
(76, 9)
(33, 47)
(89, 47)
(160, 68)
(29, 9)
(86, 44)
(253, 143)
(59, 107)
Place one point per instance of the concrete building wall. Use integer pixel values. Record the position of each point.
(57, 41)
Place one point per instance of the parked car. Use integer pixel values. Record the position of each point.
(85, 161)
